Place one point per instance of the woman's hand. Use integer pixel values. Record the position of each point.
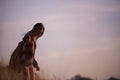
(37, 68)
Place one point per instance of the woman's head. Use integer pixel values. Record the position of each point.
(37, 30)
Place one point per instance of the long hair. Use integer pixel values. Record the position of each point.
(38, 29)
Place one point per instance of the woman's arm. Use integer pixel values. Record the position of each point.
(35, 64)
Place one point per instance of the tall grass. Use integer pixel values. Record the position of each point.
(7, 74)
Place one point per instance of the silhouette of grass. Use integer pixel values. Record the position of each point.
(7, 74)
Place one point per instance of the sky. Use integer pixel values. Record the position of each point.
(81, 36)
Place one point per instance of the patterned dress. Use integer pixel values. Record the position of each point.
(23, 54)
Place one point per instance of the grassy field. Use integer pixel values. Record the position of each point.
(7, 74)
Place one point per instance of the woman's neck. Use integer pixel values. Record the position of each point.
(35, 38)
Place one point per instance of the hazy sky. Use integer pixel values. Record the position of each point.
(81, 36)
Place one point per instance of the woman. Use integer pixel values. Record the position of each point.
(22, 58)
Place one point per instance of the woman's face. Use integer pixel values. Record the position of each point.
(41, 32)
